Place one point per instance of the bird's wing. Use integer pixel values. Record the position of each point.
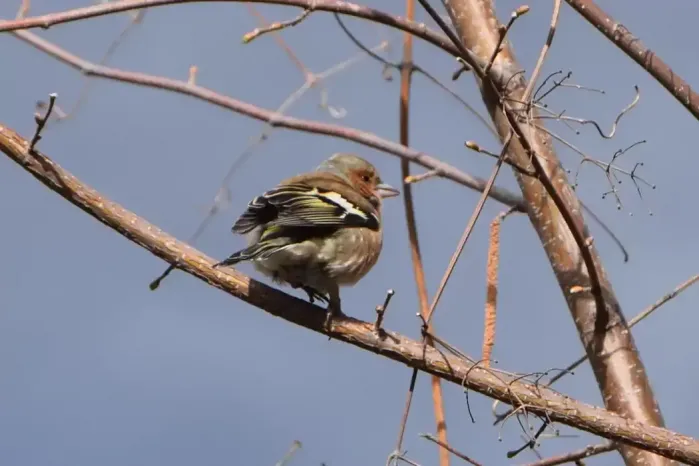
(302, 205)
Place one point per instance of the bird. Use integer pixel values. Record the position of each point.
(317, 231)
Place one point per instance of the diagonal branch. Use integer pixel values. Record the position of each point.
(634, 48)
(508, 389)
(273, 118)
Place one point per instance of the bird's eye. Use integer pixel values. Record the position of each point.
(366, 178)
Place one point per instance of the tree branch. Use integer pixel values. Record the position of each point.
(273, 118)
(555, 214)
(508, 389)
(634, 48)
(336, 6)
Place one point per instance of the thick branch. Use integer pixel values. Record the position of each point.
(634, 48)
(274, 119)
(508, 389)
(555, 214)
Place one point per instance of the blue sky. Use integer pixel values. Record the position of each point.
(97, 369)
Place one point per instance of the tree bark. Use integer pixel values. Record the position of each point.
(604, 333)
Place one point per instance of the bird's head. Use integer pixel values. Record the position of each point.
(359, 173)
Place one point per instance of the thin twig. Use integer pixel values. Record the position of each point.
(280, 40)
(41, 121)
(23, 9)
(584, 121)
(412, 179)
(544, 50)
(278, 26)
(411, 224)
(576, 456)
(467, 231)
(503, 33)
(416, 69)
(404, 418)
(136, 20)
(450, 449)
(381, 310)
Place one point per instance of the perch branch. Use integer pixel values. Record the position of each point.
(508, 389)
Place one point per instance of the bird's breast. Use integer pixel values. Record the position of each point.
(350, 253)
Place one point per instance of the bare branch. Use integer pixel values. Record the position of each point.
(381, 311)
(450, 449)
(41, 122)
(575, 456)
(634, 48)
(250, 36)
(467, 231)
(273, 118)
(337, 6)
(23, 9)
(544, 51)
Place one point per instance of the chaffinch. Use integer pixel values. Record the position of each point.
(317, 231)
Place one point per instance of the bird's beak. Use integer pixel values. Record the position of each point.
(386, 190)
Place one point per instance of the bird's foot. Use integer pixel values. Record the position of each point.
(314, 294)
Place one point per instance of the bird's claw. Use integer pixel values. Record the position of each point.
(315, 294)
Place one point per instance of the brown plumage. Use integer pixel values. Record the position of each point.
(317, 231)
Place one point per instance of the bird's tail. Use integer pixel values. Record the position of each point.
(234, 258)
(261, 250)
